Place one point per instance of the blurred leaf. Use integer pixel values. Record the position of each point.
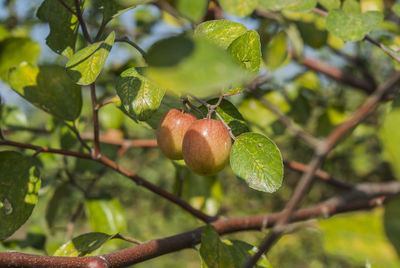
(372, 5)
(48, 88)
(184, 65)
(114, 8)
(309, 80)
(138, 95)
(63, 26)
(84, 245)
(352, 27)
(294, 5)
(312, 35)
(67, 138)
(217, 253)
(391, 221)
(257, 160)
(3, 33)
(54, 203)
(247, 50)
(389, 135)
(15, 50)
(106, 215)
(359, 236)
(192, 9)
(230, 115)
(19, 187)
(330, 4)
(396, 9)
(220, 32)
(240, 8)
(86, 64)
(276, 51)
(351, 7)
(110, 116)
(295, 39)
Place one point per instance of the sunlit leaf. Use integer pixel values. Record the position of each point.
(257, 161)
(86, 64)
(389, 134)
(247, 50)
(220, 32)
(15, 50)
(352, 27)
(84, 245)
(19, 187)
(48, 88)
(241, 8)
(295, 5)
(138, 95)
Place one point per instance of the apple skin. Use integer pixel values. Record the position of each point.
(206, 147)
(171, 130)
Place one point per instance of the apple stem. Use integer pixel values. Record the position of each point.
(227, 127)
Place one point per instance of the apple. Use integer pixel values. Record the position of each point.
(171, 130)
(206, 147)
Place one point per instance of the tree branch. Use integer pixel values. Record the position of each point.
(78, 14)
(138, 48)
(367, 196)
(113, 165)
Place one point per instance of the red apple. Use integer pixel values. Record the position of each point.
(171, 130)
(206, 147)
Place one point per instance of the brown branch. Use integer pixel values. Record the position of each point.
(325, 147)
(96, 152)
(122, 142)
(138, 48)
(113, 165)
(67, 7)
(320, 174)
(78, 14)
(372, 195)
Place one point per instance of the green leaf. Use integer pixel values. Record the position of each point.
(294, 5)
(295, 39)
(138, 95)
(391, 221)
(63, 26)
(192, 9)
(351, 7)
(276, 51)
(217, 253)
(106, 215)
(86, 64)
(84, 245)
(247, 50)
(352, 27)
(114, 8)
(15, 50)
(220, 32)
(241, 8)
(390, 138)
(330, 4)
(110, 116)
(57, 198)
(19, 187)
(184, 65)
(3, 33)
(396, 9)
(230, 115)
(48, 88)
(257, 160)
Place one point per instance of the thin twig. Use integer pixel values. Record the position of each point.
(74, 129)
(123, 142)
(96, 129)
(128, 239)
(108, 101)
(82, 22)
(138, 48)
(67, 7)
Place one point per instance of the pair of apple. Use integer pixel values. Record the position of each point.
(203, 144)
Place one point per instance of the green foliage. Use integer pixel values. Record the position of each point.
(294, 5)
(220, 32)
(113, 8)
(139, 97)
(396, 9)
(352, 26)
(184, 65)
(106, 215)
(276, 52)
(48, 88)
(257, 160)
(239, 8)
(63, 26)
(330, 4)
(389, 134)
(217, 253)
(84, 245)
(391, 223)
(246, 49)
(192, 9)
(19, 187)
(15, 50)
(86, 64)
